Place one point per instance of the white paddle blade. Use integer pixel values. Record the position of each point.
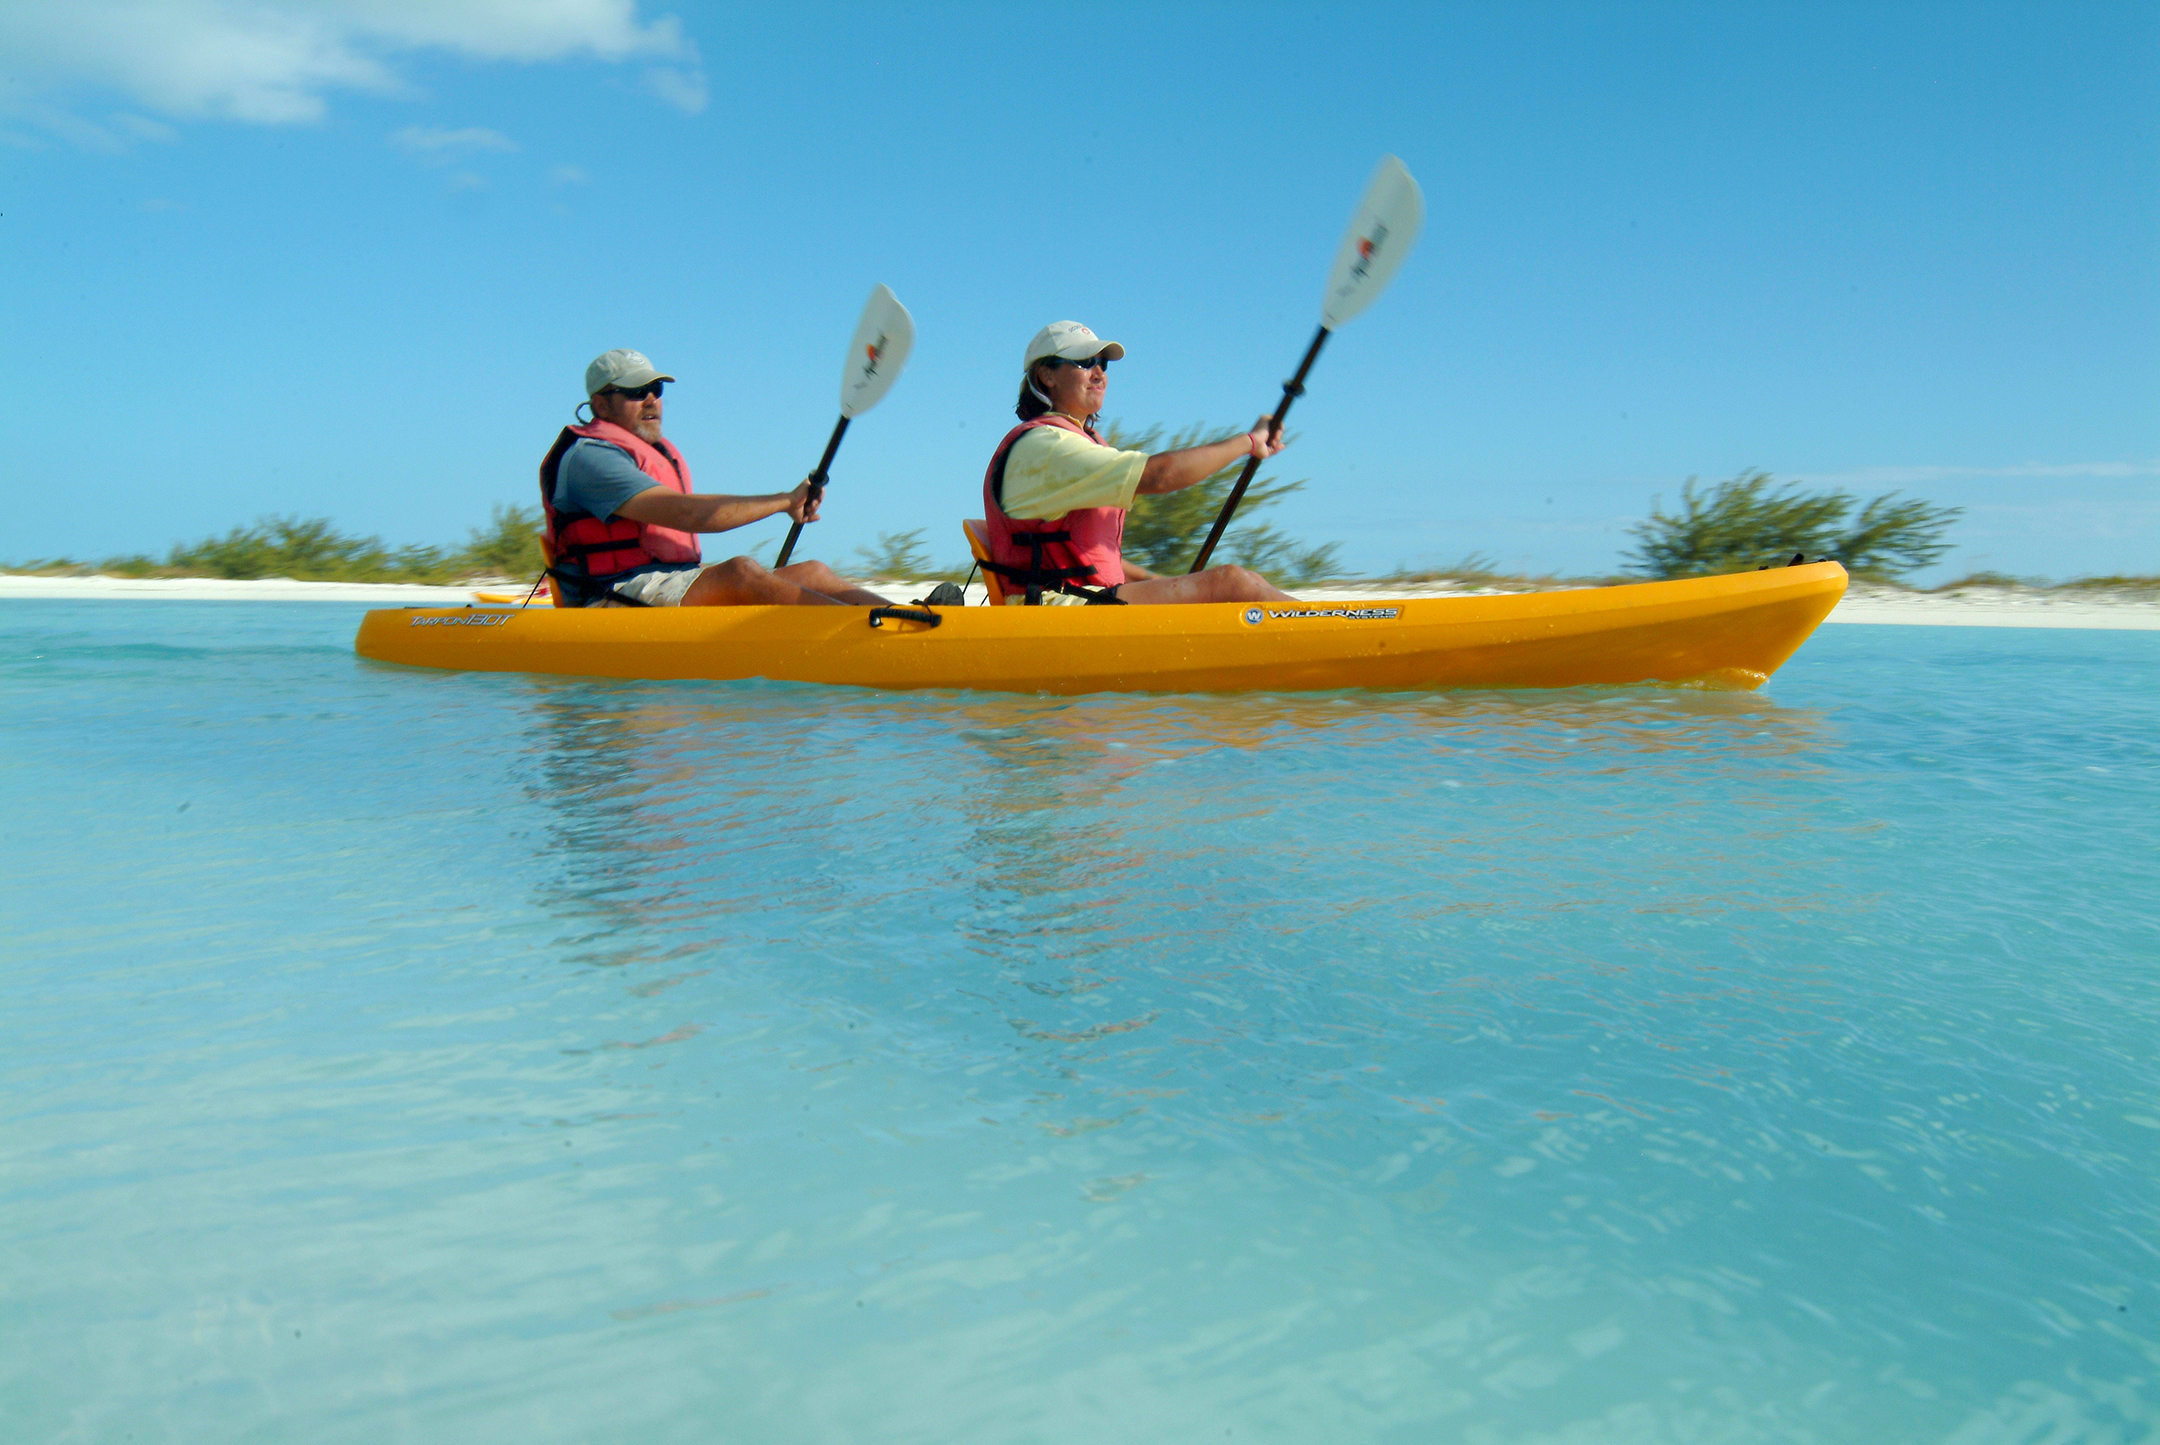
(1387, 222)
(882, 341)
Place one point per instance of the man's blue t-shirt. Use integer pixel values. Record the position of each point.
(596, 477)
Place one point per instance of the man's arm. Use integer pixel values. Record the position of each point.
(698, 512)
(1175, 471)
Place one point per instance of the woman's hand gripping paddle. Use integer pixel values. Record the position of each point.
(882, 341)
(1381, 232)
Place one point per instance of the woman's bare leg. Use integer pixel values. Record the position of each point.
(1217, 584)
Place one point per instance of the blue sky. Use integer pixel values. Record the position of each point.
(348, 258)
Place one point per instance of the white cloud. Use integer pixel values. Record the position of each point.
(438, 147)
(683, 89)
(115, 133)
(141, 127)
(276, 61)
(568, 176)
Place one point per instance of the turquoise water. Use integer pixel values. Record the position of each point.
(391, 1055)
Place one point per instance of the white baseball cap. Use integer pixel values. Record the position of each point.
(626, 369)
(1070, 340)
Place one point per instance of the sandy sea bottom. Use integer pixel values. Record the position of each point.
(390, 1055)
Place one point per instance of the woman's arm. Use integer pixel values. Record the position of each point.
(1175, 471)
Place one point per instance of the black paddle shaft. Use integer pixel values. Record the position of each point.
(818, 479)
(1291, 391)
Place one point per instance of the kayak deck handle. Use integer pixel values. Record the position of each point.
(910, 614)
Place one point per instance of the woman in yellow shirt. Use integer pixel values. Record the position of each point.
(1055, 495)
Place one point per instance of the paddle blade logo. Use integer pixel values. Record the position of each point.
(1365, 249)
(1366, 246)
(871, 353)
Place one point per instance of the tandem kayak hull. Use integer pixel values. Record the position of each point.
(1730, 632)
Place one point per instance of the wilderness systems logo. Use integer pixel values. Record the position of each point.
(1355, 614)
(464, 619)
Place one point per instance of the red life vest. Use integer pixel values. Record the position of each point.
(1079, 551)
(603, 549)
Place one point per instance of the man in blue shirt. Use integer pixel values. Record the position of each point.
(613, 474)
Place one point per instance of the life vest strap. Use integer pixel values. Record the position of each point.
(582, 550)
(1034, 581)
(1042, 574)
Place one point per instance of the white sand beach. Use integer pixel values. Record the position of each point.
(2001, 607)
(1862, 603)
(219, 589)
(1967, 607)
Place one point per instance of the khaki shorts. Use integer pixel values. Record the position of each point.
(655, 589)
(1049, 599)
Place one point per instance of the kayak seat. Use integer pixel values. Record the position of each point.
(547, 560)
(978, 540)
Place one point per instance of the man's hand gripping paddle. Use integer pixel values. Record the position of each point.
(1381, 232)
(882, 341)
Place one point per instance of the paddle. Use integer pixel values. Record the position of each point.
(1381, 232)
(880, 349)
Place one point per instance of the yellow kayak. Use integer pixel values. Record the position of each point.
(1730, 632)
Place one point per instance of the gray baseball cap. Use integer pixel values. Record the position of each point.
(626, 369)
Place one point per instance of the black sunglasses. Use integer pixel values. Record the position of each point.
(1093, 363)
(650, 388)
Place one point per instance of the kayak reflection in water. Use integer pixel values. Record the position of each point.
(1056, 494)
(622, 519)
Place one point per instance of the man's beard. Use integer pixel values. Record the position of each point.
(649, 430)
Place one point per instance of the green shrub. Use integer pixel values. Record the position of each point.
(508, 546)
(2114, 584)
(137, 565)
(1752, 522)
(312, 550)
(1988, 579)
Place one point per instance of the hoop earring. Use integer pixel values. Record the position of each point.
(581, 420)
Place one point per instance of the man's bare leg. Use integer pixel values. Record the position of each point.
(1217, 584)
(820, 578)
(741, 582)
